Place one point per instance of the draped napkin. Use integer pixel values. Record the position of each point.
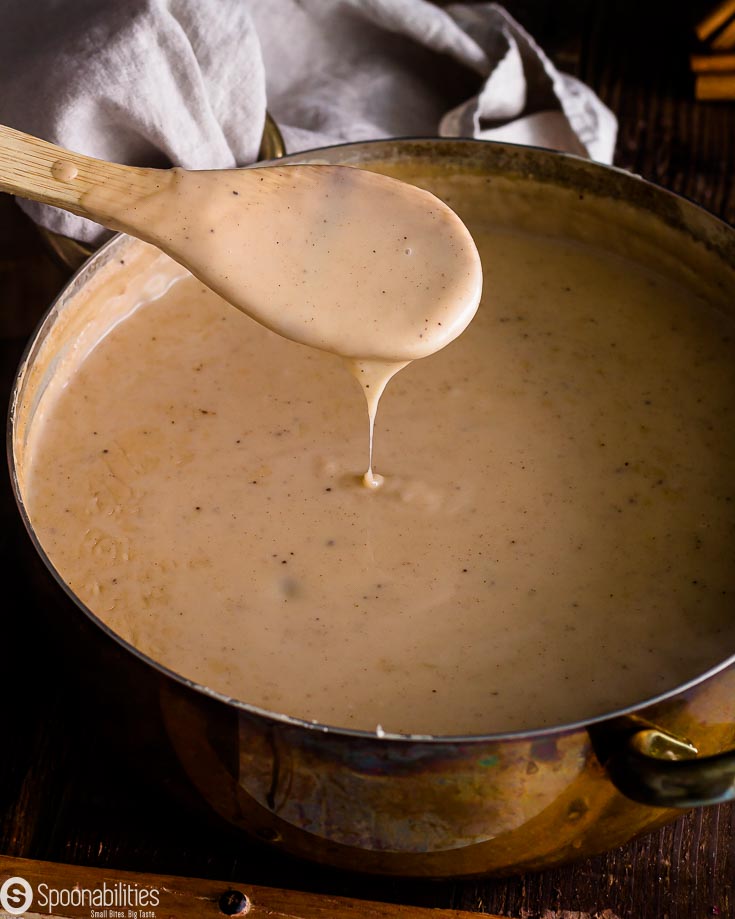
(187, 82)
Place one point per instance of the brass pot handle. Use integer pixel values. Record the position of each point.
(654, 768)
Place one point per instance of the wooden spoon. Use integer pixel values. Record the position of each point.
(331, 256)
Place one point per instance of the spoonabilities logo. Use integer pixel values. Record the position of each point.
(16, 896)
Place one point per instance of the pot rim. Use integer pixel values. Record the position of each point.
(89, 267)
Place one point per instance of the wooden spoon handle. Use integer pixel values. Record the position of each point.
(188, 898)
(34, 168)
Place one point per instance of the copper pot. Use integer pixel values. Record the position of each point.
(420, 806)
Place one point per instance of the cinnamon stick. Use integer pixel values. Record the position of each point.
(715, 19)
(711, 86)
(712, 63)
(725, 39)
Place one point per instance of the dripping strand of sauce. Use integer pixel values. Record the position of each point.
(373, 377)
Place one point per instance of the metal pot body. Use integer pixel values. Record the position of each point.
(414, 806)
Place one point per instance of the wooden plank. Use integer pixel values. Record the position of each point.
(72, 891)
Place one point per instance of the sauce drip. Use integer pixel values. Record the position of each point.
(373, 377)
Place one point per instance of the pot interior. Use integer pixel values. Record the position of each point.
(608, 310)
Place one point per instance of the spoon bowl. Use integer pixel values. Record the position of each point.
(331, 256)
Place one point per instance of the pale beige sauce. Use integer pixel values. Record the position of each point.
(553, 539)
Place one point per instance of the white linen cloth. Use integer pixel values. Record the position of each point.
(186, 82)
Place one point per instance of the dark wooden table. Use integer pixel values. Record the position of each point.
(66, 796)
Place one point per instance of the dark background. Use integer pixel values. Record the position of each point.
(66, 795)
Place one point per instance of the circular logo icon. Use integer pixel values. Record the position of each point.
(16, 896)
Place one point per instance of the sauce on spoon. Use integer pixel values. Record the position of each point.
(348, 261)
(342, 259)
